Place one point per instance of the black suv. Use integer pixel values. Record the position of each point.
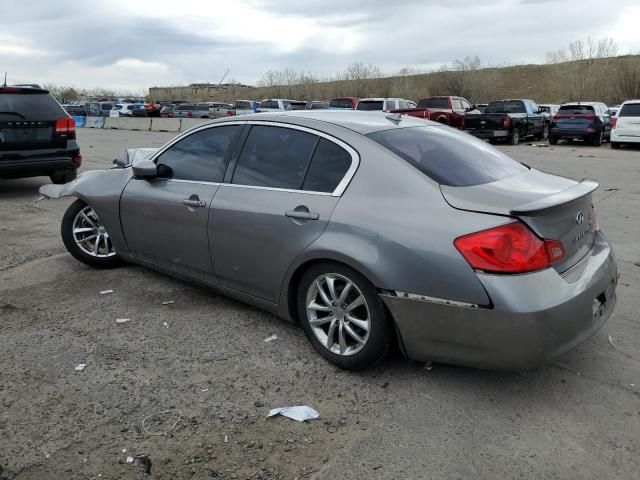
(37, 137)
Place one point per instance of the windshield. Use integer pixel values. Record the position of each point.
(576, 110)
(370, 105)
(509, 106)
(433, 103)
(448, 156)
(341, 103)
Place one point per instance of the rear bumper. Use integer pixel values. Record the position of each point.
(488, 134)
(34, 167)
(534, 317)
(616, 137)
(571, 133)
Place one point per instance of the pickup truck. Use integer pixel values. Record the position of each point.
(508, 120)
(447, 110)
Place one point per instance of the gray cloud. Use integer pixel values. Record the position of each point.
(85, 43)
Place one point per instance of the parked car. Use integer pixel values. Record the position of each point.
(243, 107)
(167, 111)
(344, 103)
(202, 110)
(297, 105)
(37, 136)
(219, 110)
(625, 126)
(99, 109)
(614, 110)
(139, 110)
(317, 105)
(76, 110)
(384, 104)
(122, 109)
(319, 234)
(589, 121)
(153, 109)
(274, 104)
(441, 109)
(550, 109)
(184, 110)
(481, 107)
(508, 120)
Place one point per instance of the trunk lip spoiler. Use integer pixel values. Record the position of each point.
(579, 190)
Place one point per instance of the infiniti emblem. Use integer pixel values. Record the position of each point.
(579, 217)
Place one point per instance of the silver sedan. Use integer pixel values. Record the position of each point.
(367, 229)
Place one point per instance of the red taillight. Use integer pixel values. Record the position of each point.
(170, 114)
(230, 113)
(77, 160)
(614, 121)
(189, 114)
(511, 248)
(66, 127)
(506, 122)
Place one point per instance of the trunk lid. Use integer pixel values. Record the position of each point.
(21, 134)
(553, 207)
(628, 120)
(483, 121)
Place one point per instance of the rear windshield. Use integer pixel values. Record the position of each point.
(243, 106)
(185, 106)
(433, 103)
(370, 105)
(269, 104)
(297, 106)
(576, 110)
(105, 106)
(29, 106)
(448, 156)
(630, 110)
(505, 107)
(337, 103)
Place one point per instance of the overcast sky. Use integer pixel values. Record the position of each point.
(134, 44)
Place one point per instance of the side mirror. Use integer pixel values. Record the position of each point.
(145, 169)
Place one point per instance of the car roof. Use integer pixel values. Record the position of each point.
(591, 104)
(359, 121)
(630, 101)
(379, 99)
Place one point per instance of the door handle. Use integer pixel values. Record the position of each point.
(193, 203)
(302, 215)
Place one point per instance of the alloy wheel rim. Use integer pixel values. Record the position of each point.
(90, 235)
(338, 314)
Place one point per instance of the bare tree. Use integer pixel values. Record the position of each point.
(627, 82)
(460, 79)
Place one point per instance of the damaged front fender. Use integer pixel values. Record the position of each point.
(69, 189)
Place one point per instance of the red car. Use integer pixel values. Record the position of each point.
(447, 110)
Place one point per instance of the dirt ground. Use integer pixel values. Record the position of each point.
(185, 388)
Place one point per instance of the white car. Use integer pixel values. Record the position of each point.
(121, 110)
(243, 107)
(384, 104)
(219, 110)
(625, 126)
(274, 104)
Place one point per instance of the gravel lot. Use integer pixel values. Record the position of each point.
(200, 366)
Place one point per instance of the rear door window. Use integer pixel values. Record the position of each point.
(630, 110)
(341, 103)
(448, 156)
(515, 106)
(328, 167)
(29, 106)
(370, 105)
(275, 157)
(576, 110)
(202, 156)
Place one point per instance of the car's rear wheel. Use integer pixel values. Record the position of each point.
(63, 176)
(597, 139)
(545, 133)
(343, 316)
(86, 238)
(514, 139)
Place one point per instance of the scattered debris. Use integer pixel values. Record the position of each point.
(587, 156)
(298, 413)
(123, 320)
(106, 292)
(271, 338)
(546, 145)
(146, 462)
(204, 390)
(428, 366)
(79, 367)
(166, 432)
(39, 198)
(226, 439)
(124, 450)
(168, 302)
(165, 324)
(611, 189)
(611, 342)
(129, 459)
(637, 264)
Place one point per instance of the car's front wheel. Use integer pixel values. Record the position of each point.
(86, 238)
(343, 316)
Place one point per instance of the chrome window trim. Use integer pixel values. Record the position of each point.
(179, 180)
(337, 192)
(346, 179)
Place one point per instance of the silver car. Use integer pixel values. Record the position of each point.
(365, 228)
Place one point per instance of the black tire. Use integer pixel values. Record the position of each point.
(64, 176)
(545, 133)
(381, 334)
(553, 140)
(66, 231)
(615, 145)
(597, 139)
(514, 138)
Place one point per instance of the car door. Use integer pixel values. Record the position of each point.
(278, 199)
(165, 219)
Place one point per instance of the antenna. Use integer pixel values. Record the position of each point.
(224, 76)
